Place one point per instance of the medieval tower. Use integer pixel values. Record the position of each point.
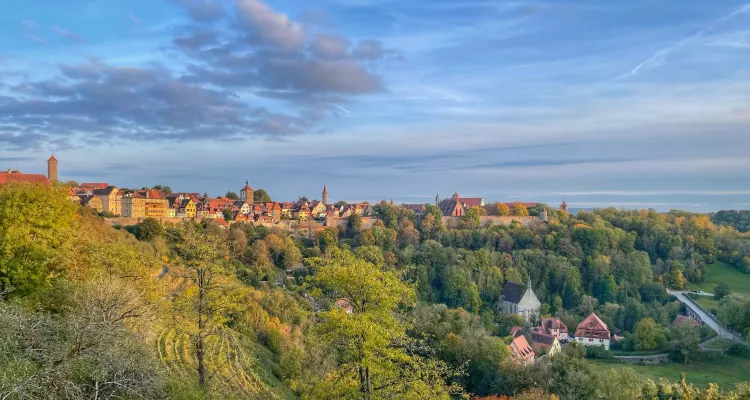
(325, 195)
(52, 169)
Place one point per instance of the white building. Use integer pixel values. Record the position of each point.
(521, 300)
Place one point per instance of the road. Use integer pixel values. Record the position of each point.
(707, 318)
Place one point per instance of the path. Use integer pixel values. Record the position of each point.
(705, 317)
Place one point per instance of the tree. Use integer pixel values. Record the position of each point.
(354, 224)
(685, 343)
(587, 304)
(372, 352)
(519, 210)
(35, 222)
(676, 279)
(149, 229)
(502, 209)
(203, 309)
(722, 290)
(227, 213)
(340, 203)
(472, 216)
(261, 196)
(648, 335)
(327, 239)
(164, 188)
(232, 196)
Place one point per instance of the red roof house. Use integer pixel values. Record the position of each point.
(592, 331)
(11, 176)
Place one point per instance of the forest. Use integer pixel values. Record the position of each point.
(196, 311)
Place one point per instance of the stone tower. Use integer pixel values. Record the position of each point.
(564, 207)
(246, 193)
(437, 199)
(543, 214)
(325, 195)
(52, 169)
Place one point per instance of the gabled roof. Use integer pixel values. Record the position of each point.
(592, 323)
(516, 330)
(680, 319)
(246, 187)
(553, 323)
(17, 176)
(447, 206)
(513, 292)
(520, 348)
(417, 208)
(105, 192)
(94, 185)
(472, 201)
(542, 338)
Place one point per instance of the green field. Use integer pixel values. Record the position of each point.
(720, 344)
(723, 272)
(705, 302)
(726, 373)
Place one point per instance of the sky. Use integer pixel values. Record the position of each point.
(626, 103)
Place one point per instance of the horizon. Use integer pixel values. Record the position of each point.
(634, 104)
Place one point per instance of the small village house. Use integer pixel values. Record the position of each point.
(592, 331)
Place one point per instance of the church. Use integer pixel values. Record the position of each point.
(520, 299)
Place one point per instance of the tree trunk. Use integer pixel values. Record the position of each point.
(201, 367)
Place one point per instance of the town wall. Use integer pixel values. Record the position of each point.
(493, 220)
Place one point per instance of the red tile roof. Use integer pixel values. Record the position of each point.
(17, 176)
(592, 327)
(520, 349)
(95, 185)
(472, 201)
(681, 319)
(52, 158)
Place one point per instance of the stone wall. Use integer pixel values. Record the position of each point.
(485, 221)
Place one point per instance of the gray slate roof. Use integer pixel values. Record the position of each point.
(513, 292)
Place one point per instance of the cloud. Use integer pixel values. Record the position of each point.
(660, 57)
(68, 35)
(36, 38)
(29, 24)
(273, 28)
(202, 10)
(230, 67)
(133, 18)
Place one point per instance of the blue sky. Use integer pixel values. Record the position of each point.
(640, 103)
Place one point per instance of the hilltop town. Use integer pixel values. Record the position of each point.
(126, 206)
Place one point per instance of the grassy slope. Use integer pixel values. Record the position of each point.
(726, 374)
(722, 272)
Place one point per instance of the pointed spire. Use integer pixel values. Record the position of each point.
(324, 189)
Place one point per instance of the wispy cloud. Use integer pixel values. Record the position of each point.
(36, 38)
(660, 57)
(29, 24)
(67, 34)
(133, 18)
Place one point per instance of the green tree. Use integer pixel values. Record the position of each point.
(202, 310)
(722, 290)
(354, 224)
(685, 342)
(35, 222)
(369, 345)
(328, 238)
(557, 305)
(472, 216)
(232, 196)
(164, 188)
(649, 335)
(520, 210)
(261, 196)
(227, 213)
(149, 228)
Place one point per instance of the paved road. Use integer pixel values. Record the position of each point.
(707, 318)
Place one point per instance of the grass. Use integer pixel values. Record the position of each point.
(726, 373)
(705, 302)
(719, 271)
(637, 353)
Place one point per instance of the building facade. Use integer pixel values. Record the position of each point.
(520, 300)
(592, 331)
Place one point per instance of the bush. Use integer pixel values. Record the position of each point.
(741, 350)
(598, 352)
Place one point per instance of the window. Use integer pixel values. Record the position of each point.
(591, 340)
(601, 340)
